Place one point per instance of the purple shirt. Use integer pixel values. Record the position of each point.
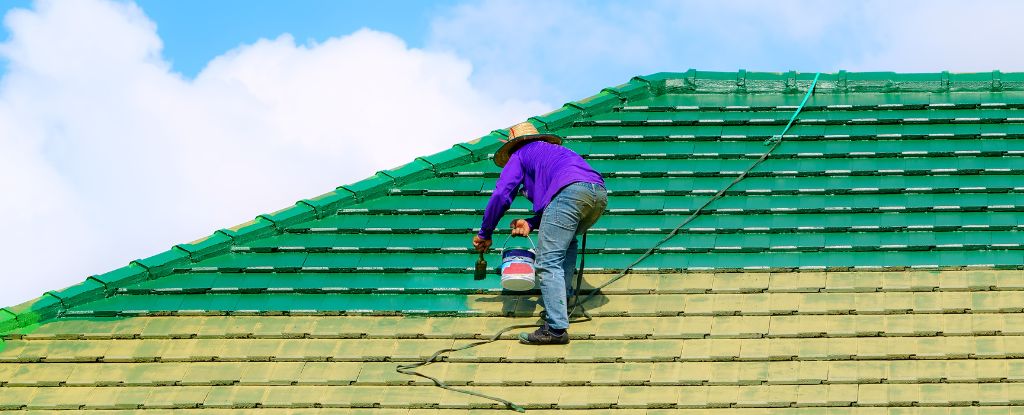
(542, 169)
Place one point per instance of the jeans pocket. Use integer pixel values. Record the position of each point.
(561, 213)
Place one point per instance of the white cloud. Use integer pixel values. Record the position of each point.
(932, 36)
(567, 50)
(106, 155)
(537, 47)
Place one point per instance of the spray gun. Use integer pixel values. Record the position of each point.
(481, 268)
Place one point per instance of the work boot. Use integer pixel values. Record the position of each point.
(544, 335)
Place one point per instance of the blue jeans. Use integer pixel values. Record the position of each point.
(571, 212)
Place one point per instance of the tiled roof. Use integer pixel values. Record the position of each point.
(873, 261)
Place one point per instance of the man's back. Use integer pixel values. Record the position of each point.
(547, 168)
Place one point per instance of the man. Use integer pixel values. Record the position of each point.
(568, 196)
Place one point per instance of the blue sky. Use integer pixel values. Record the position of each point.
(129, 126)
(194, 32)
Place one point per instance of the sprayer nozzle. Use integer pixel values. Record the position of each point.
(481, 268)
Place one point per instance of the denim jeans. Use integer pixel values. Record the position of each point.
(571, 212)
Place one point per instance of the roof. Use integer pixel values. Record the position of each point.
(873, 260)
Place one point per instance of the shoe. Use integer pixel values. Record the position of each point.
(543, 335)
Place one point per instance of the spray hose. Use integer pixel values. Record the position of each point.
(577, 303)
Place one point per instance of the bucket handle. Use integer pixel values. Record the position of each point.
(510, 237)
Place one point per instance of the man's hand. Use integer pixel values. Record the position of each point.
(481, 244)
(520, 227)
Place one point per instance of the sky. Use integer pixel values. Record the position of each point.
(127, 127)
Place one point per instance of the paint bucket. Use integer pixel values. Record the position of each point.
(517, 267)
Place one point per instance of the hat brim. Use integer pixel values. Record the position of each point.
(505, 152)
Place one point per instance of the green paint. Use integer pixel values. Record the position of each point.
(881, 169)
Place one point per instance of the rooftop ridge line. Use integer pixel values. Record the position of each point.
(793, 82)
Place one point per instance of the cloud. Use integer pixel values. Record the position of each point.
(570, 49)
(932, 36)
(107, 155)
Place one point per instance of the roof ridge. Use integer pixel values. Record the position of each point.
(52, 303)
(743, 81)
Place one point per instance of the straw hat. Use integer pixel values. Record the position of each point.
(518, 135)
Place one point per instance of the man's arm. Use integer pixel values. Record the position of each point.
(522, 227)
(534, 221)
(504, 193)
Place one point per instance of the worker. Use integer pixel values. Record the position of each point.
(568, 196)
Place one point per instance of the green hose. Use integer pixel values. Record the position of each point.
(774, 142)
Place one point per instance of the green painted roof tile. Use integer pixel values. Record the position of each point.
(40, 308)
(411, 172)
(873, 258)
(204, 247)
(8, 320)
(597, 104)
(454, 156)
(131, 273)
(632, 90)
(161, 264)
(325, 203)
(560, 118)
(374, 186)
(251, 230)
(83, 292)
(485, 145)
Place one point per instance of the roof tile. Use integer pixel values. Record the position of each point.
(872, 259)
